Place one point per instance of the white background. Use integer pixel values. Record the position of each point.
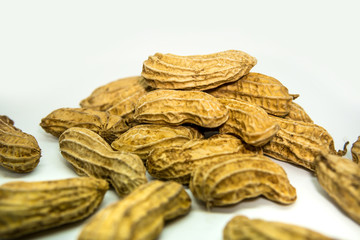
(55, 53)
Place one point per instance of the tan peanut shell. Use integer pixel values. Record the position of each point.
(177, 163)
(355, 151)
(7, 120)
(90, 155)
(19, 151)
(298, 142)
(176, 107)
(142, 139)
(107, 125)
(340, 178)
(297, 113)
(29, 207)
(110, 94)
(262, 90)
(241, 177)
(140, 215)
(248, 121)
(196, 72)
(243, 228)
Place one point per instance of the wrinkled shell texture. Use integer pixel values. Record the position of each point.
(19, 151)
(260, 89)
(355, 151)
(298, 142)
(297, 113)
(29, 207)
(238, 178)
(90, 155)
(196, 72)
(177, 163)
(248, 121)
(243, 228)
(107, 125)
(140, 215)
(142, 139)
(108, 95)
(340, 178)
(176, 107)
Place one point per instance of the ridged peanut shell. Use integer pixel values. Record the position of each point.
(248, 121)
(177, 163)
(298, 142)
(355, 151)
(110, 94)
(176, 107)
(340, 178)
(107, 125)
(19, 151)
(6, 119)
(298, 113)
(241, 177)
(140, 215)
(243, 228)
(196, 72)
(90, 155)
(142, 139)
(29, 207)
(260, 89)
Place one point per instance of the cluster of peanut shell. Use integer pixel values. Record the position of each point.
(205, 121)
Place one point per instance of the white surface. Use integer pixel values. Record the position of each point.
(54, 53)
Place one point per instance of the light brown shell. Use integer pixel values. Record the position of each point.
(241, 177)
(340, 178)
(297, 113)
(262, 90)
(19, 151)
(142, 139)
(29, 207)
(176, 107)
(355, 151)
(298, 142)
(107, 125)
(115, 92)
(243, 228)
(177, 163)
(140, 215)
(248, 121)
(90, 155)
(196, 72)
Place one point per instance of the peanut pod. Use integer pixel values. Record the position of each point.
(355, 151)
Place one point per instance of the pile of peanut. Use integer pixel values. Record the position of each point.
(203, 121)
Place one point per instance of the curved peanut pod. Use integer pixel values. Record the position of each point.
(19, 151)
(262, 90)
(297, 113)
(355, 151)
(177, 163)
(298, 142)
(196, 72)
(241, 177)
(176, 107)
(108, 95)
(243, 228)
(90, 155)
(107, 125)
(142, 139)
(29, 207)
(340, 178)
(248, 121)
(140, 215)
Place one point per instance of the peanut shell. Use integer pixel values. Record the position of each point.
(355, 151)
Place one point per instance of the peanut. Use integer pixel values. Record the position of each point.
(19, 151)
(241, 177)
(355, 151)
(29, 207)
(141, 214)
(242, 228)
(297, 113)
(90, 155)
(197, 72)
